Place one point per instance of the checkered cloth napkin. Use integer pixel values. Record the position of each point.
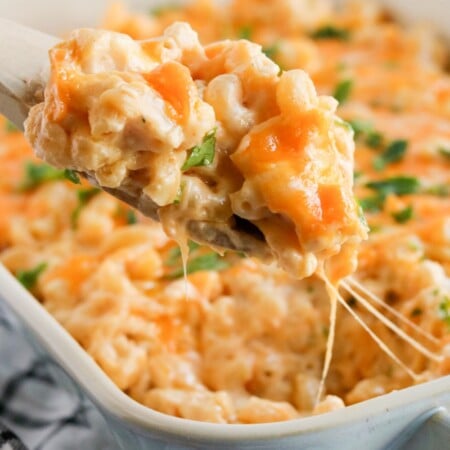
(36, 411)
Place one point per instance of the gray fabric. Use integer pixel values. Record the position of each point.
(41, 408)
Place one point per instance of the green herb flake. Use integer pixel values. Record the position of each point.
(403, 215)
(342, 123)
(128, 214)
(401, 185)
(245, 32)
(445, 152)
(84, 196)
(131, 217)
(28, 278)
(272, 50)
(375, 228)
(174, 255)
(361, 216)
(394, 152)
(331, 32)
(37, 174)
(343, 90)
(72, 176)
(439, 190)
(179, 196)
(373, 203)
(444, 310)
(203, 154)
(208, 261)
(360, 126)
(158, 11)
(374, 139)
(10, 127)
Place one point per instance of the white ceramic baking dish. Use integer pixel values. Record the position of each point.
(416, 418)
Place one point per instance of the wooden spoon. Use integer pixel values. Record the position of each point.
(24, 70)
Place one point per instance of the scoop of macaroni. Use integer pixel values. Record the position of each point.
(210, 134)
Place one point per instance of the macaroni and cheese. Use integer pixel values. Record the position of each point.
(240, 341)
(210, 134)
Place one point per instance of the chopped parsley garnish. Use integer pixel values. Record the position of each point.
(72, 176)
(272, 50)
(374, 139)
(440, 190)
(202, 154)
(179, 196)
(363, 128)
(374, 203)
(393, 153)
(163, 9)
(245, 32)
(173, 258)
(375, 228)
(36, 174)
(342, 123)
(361, 216)
(200, 261)
(403, 215)
(360, 126)
(444, 310)
(84, 195)
(445, 152)
(416, 312)
(10, 127)
(131, 217)
(124, 213)
(331, 32)
(28, 278)
(343, 90)
(208, 261)
(401, 185)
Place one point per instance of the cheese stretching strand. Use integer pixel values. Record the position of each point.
(212, 134)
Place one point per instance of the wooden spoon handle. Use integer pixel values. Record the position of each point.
(23, 68)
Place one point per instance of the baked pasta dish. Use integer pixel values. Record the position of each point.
(225, 129)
